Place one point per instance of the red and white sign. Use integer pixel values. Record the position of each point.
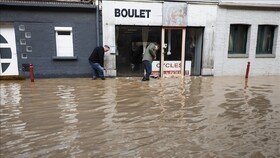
(170, 68)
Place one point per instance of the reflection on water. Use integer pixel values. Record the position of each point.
(68, 106)
(123, 117)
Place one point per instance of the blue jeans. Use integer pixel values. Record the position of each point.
(148, 68)
(98, 70)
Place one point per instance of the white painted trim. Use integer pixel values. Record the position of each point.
(64, 43)
(63, 28)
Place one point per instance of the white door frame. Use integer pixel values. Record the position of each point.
(182, 49)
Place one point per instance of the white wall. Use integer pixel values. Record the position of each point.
(204, 16)
(225, 66)
(109, 21)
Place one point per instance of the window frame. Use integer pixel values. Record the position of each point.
(236, 53)
(69, 55)
(266, 54)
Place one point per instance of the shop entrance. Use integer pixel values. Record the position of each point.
(172, 62)
(130, 42)
(180, 54)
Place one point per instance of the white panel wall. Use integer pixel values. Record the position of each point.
(201, 15)
(204, 16)
(141, 14)
(224, 66)
(135, 13)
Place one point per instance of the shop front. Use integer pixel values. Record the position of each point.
(128, 27)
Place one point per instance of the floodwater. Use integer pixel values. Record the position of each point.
(191, 117)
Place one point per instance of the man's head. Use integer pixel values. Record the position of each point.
(106, 48)
(156, 46)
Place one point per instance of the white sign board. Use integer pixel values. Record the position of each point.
(171, 68)
(133, 13)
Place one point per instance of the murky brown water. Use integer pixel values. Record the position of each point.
(196, 117)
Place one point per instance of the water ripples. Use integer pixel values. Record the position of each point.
(175, 117)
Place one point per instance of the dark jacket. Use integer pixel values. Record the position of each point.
(97, 56)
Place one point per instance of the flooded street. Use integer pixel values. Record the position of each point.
(192, 117)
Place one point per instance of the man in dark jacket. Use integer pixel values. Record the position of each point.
(96, 61)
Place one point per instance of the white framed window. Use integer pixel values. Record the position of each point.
(64, 42)
(237, 46)
(265, 41)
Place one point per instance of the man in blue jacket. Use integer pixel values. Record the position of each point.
(96, 61)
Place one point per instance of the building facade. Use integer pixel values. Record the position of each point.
(204, 37)
(184, 31)
(197, 37)
(56, 37)
(247, 31)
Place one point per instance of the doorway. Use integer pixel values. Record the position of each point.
(172, 63)
(194, 47)
(180, 54)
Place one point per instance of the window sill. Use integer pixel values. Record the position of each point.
(265, 55)
(238, 55)
(65, 58)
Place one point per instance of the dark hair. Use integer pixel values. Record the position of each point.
(107, 46)
(157, 44)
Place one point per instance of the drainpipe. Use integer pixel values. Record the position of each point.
(97, 23)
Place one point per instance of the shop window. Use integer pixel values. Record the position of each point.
(238, 39)
(265, 39)
(131, 41)
(64, 43)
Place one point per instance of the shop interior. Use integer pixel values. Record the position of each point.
(131, 41)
